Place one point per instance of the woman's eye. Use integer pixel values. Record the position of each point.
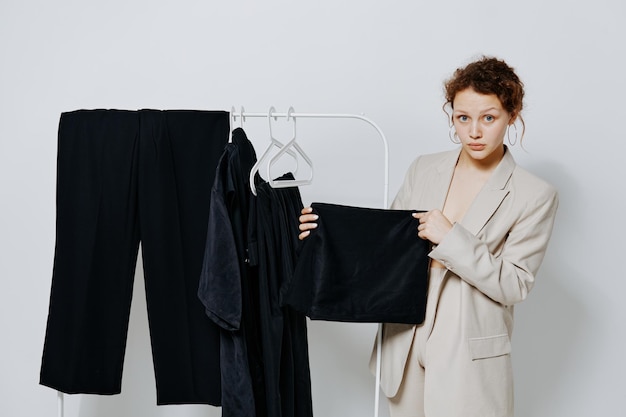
(489, 118)
(463, 118)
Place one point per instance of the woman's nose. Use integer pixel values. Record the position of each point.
(475, 132)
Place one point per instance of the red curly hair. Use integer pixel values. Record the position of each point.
(489, 75)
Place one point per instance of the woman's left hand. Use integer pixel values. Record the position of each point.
(433, 225)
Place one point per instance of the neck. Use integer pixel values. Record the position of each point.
(487, 164)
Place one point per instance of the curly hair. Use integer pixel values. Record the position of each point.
(489, 75)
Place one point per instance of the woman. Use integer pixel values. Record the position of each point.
(489, 223)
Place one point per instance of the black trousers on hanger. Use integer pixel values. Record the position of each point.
(125, 177)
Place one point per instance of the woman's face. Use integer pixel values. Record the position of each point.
(480, 122)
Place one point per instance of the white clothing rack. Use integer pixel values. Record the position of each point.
(242, 115)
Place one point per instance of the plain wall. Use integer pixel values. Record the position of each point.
(386, 60)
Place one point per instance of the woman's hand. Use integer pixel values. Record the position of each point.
(306, 222)
(433, 225)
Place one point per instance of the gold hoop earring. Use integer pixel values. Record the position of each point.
(452, 134)
(508, 134)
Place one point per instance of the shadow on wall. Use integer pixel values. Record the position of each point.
(549, 324)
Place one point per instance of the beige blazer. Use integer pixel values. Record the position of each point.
(495, 252)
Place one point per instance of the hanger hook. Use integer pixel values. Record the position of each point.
(241, 117)
(289, 115)
(269, 120)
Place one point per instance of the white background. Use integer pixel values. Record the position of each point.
(386, 60)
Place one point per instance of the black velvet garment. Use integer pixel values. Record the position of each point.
(361, 265)
(229, 285)
(274, 230)
(125, 177)
(251, 246)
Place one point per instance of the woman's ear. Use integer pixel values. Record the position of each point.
(513, 118)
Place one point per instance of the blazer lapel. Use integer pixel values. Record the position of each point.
(490, 197)
(439, 181)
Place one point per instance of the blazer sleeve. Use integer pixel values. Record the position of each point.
(508, 276)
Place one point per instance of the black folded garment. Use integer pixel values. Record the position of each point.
(361, 265)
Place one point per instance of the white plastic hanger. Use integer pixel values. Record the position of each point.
(242, 118)
(273, 143)
(286, 148)
(233, 119)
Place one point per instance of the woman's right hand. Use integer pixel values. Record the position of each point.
(306, 222)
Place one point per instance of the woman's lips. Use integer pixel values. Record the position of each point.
(476, 146)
